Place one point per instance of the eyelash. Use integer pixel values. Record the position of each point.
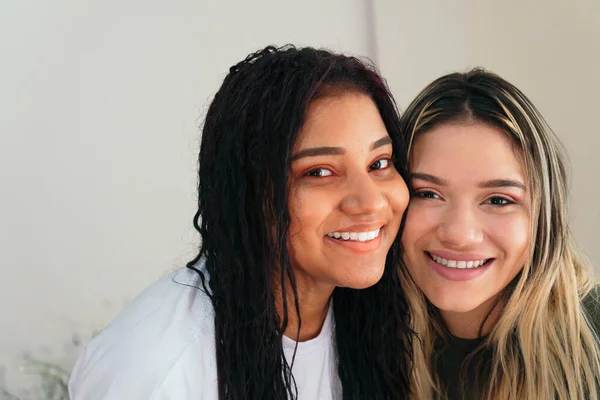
(387, 160)
(313, 173)
(428, 194)
(506, 202)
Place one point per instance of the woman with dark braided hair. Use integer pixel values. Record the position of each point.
(294, 293)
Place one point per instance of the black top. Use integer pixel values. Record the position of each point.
(451, 356)
(453, 352)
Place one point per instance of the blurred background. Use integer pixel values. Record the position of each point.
(101, 103)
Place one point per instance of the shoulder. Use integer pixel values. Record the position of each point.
(168, 327)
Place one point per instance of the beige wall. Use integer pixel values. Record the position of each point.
(417, 41)
(549, 49)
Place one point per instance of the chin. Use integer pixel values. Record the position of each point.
(451, 304)
(364, 279)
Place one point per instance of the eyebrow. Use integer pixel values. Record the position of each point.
(381, 142)
(493, 183)
(498, 183)
(318, 151)
(429, 178)
(334, 151)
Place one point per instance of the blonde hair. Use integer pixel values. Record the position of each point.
(543, 345)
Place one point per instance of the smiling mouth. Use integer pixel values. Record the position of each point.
(460, 264)
(365, 236)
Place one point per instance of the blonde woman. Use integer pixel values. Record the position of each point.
(500, 297)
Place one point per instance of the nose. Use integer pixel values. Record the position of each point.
(459, 228)
(364, 196)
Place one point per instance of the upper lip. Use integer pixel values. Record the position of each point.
(449, 255)
(361, 227)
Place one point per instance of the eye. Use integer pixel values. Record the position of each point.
(319, 173)
(382, 163)
(499, 201)
(427, 194)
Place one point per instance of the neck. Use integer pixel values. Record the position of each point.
(475, 323)
(314, 305)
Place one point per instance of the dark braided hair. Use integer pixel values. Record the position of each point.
(248, 135)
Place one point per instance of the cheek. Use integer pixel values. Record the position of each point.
(308, 209)
(511, 233)
(398, 196)
(419, 222)
(414, 230)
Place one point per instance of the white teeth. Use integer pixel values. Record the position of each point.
(356, 236)
(458, 264)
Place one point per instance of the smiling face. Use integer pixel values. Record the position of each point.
(346, 197)
(467, 228)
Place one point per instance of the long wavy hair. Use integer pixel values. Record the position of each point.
(243, 218)
(543, 346)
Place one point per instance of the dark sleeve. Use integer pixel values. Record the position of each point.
(591, 308)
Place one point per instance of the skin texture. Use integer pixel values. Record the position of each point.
(467, 205)
(342, 180)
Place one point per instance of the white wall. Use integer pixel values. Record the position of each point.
(549, 49)
(418, 41)
(99, 109)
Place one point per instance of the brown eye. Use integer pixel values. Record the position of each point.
(427, 194)
(499, 201)
(319, 173)
(380, 164)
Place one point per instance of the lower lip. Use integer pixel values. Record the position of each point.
(356, 246)
(458, 274)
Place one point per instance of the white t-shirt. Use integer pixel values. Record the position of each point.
(162, 346)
